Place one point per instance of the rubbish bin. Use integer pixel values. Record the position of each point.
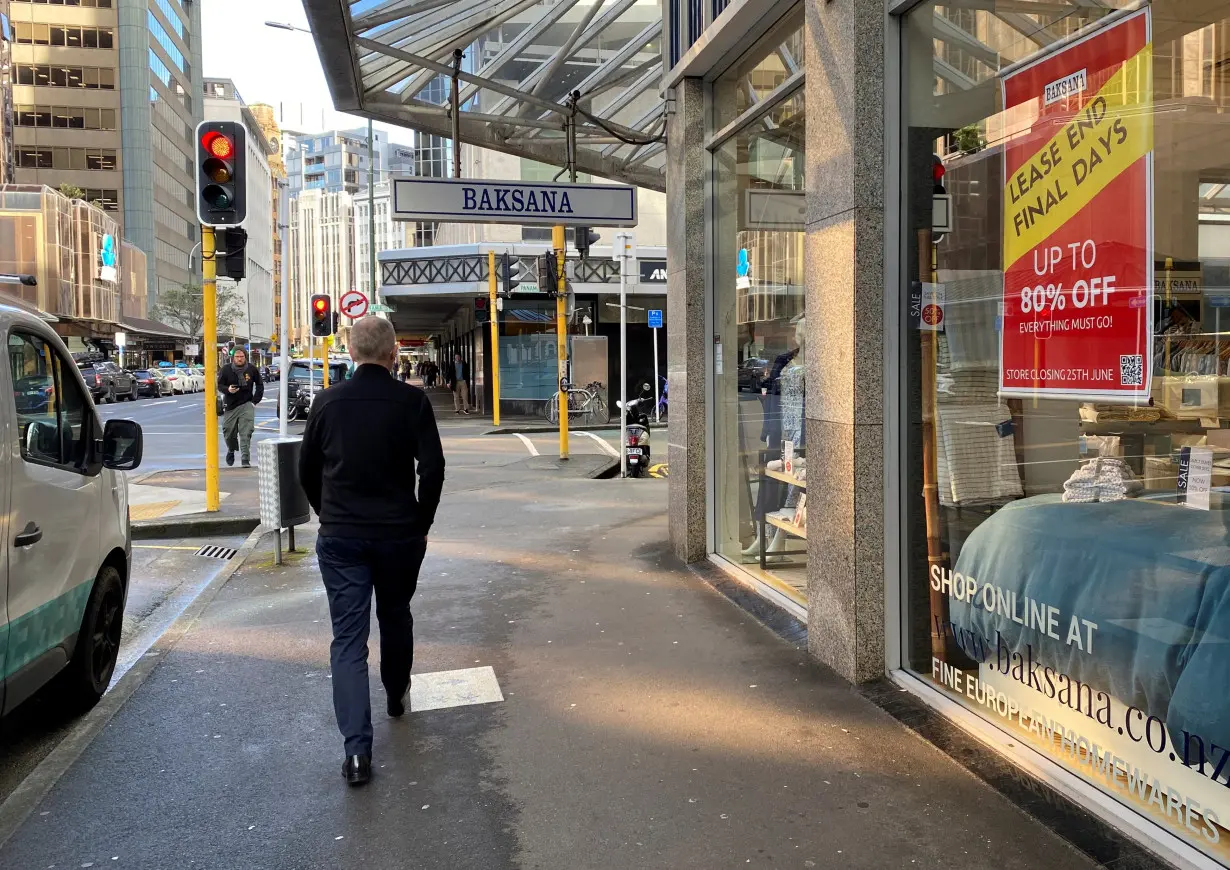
(284, 504)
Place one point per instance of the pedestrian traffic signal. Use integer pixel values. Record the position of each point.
(938, 171)
(585, 238)
(322, 314)
(511, 273)
(220, 182)
(482, 309)
(236, 260)
(548, 274)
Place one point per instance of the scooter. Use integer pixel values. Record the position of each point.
(636, 441)
(298, 402)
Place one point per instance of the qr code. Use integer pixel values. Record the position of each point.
(1132, 371)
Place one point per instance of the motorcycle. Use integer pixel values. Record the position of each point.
(636, 440)
(298, 403)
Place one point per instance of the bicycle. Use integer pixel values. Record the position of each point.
(586, 402)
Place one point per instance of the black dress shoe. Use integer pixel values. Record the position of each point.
(230, 457)
(357, 769)
(397, 706)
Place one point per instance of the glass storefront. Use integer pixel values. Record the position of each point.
(759, 312)
(1067, 387)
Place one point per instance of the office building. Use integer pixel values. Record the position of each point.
(322, 253)
(79, 70)
(264, 115)
(390, 235)
(7, 157)
(257, 289)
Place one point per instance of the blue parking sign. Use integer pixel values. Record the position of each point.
(655, 318)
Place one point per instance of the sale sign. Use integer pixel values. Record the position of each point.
(1078, 218)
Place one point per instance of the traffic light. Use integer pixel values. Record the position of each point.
(585, 239)
(548, 274)
(322, 314)
(482, 309)
(235, 264)
(510, 273)
(220, 178)
(937, 174)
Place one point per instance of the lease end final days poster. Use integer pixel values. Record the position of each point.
(1078, 219)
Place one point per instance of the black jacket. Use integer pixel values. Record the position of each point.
(451, 373)
(251, 387)
(357, 462)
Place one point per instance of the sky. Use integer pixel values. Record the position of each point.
(278, 67)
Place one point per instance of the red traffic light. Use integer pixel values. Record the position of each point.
(938, 170)
(218, 145)
(321, 305)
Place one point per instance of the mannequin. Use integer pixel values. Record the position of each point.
(792, 405)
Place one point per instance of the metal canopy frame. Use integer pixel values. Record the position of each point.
(525, 59)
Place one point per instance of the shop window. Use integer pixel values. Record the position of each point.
(1066, 388)
(760, 328)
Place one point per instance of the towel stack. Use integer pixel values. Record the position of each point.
(1103, 479)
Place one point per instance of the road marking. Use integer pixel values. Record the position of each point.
(160, 402)
(529, 445)
(162, 547)
(445, 689)
(603, 444)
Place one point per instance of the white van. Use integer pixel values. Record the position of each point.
(65, 544)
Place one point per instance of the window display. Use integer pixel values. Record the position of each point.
(1067, 384)
(760, 326)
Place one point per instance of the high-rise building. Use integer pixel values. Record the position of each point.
(106, 100)
(264, 115)
(7, 162)
(390, 234)
(322, 252)
(160, 98)
(66, 96)
(256, 291)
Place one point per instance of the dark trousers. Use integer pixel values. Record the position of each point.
(352, 568)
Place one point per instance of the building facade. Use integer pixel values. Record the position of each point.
(322, 240)
(66, 99)
(8, 166)
(334, 160)
(160, 95)
(390, 235)
(257, 290)
(893, 228)
(265, 117)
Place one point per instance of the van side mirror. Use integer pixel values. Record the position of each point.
(123, 445)
(42, 439)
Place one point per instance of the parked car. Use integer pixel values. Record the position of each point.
(149, 384)
(753, 373)
(177, 379)
(165, 387)
(107, 381)
(198, 378)
(66, 530)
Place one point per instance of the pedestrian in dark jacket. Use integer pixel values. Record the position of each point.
(357, 465)
(459, 383)
(242, 388)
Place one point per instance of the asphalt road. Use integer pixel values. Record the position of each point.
(174, 427)
(166, 577)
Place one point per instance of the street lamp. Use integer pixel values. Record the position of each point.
(371, 171)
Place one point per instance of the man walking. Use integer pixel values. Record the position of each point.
(242, 389)
(459, 383)
(357, 466)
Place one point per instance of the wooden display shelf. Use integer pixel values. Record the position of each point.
(785, 478)
(786, 526)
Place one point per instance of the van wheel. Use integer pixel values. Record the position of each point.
(98, 644)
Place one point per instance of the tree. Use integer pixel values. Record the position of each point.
(968, 139)
(184, 307)
(72, 191)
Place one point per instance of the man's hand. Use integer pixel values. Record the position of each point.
(232, 389)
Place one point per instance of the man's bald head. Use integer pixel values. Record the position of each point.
(373, 340)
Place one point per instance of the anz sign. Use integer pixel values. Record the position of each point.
(653, 271)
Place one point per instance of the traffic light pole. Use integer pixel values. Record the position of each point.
(209, 281)
(492, 284)
(561, 334)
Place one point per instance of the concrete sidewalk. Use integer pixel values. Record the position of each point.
(646, 722)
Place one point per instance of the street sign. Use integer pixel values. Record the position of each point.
(378, 308)
(191, 349)
(655, 318)
(121, 339)
(527, 203)
(354, 304)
